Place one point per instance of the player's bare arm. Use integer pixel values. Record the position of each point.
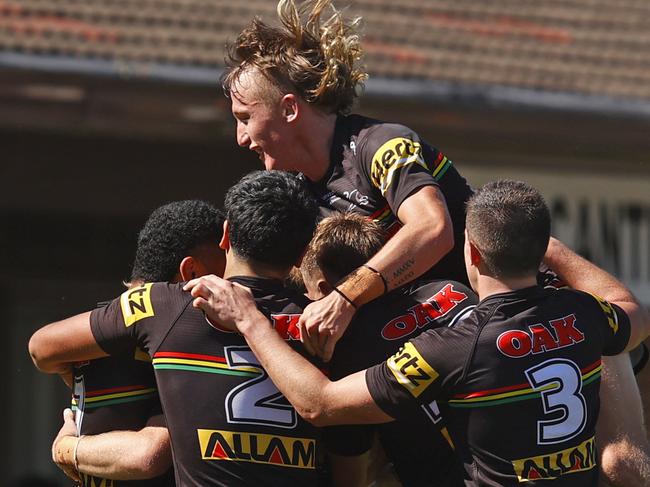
(426, 236)
(312, 394)
(55, 347)
(581, 274)
(117, 455)
(620, 431)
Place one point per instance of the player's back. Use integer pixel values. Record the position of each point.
(521, 384)
(414, 444)
(228, 423)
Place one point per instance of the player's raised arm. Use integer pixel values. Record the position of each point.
(312, 394)
(581, 274)
(55, 347)
(426, 236)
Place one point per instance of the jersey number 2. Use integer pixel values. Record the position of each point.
(256, 401)
(559, 381)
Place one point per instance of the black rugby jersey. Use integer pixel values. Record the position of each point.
(229, 425)
(375, 166)
(414, 444)
(517, 383)
(116, 393)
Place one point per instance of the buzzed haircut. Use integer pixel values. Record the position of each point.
(342, 242)
(170, 234)
(510, 224)
(271, 217)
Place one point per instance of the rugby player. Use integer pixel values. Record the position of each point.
(291, 89)
(517, 380)
(420, 455)
(228, 423)
(117, 409)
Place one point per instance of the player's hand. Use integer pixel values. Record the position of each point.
(323, 323)
(61, 454)
(226, 304)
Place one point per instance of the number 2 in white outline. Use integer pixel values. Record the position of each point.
(263, 408)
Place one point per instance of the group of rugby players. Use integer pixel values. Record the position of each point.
(247, 381)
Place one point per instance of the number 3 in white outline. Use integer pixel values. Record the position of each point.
(566, 398)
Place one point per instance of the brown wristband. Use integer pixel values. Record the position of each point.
(362, 286)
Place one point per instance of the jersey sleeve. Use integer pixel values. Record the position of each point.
(424, 369)
(398, 163)
(615, 327)
(140, 316)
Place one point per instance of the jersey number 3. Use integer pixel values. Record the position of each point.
(256, 401)
(559, 381)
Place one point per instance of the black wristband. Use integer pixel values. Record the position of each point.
(345, 297)
(383, 279)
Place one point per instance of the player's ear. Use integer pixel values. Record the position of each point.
(324, 287)
(475, 254)
(188, 269)
(290, 106)
(225, 238)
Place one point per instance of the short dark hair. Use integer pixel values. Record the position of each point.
(509, 222)
(170, 234)
(342, 242)
(271, 217)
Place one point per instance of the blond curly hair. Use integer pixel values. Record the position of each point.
(309, 54)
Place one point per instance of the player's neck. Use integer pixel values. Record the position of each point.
(239, 267)
(488, 285)
(317, 150)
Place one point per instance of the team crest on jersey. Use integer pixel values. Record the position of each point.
(411, 370)
(136, 304)
(390, 157)
(422, 314)
(284, 451)
(579, 458)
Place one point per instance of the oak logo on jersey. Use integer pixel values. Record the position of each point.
(579, 458)
(136, 304)
(287, 326)
(422, 314)
(539, 339)
(390, 157)
(411, 370)
(284, 451)
(610, 313)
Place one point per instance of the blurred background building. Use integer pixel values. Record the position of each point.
(109, 108)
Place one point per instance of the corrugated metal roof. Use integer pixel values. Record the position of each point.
(585, 47)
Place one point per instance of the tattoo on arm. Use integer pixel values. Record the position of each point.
(403, 274)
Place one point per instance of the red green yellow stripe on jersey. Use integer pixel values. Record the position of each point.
(114, 395)
(519, 392)
(441, 166)
(195, 362)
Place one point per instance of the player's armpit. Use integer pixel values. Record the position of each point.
(56, 346)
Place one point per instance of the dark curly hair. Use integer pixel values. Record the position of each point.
(170, 234)
(271, 217)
